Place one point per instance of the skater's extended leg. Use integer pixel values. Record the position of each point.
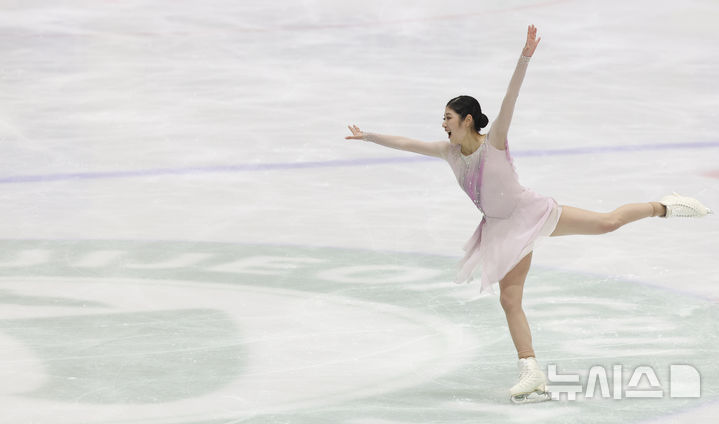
(511, 288)
(581, 221)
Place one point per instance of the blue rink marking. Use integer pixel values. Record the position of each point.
(336, 163)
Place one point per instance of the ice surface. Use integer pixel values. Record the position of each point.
(188, 237)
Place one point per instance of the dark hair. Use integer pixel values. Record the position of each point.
(467, 105)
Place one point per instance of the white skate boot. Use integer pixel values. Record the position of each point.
(683, 206)
(532, 383)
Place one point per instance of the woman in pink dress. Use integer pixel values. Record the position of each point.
(514, 217)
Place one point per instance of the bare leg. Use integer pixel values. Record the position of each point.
(511, 288)
(581, 221)
(572, 221)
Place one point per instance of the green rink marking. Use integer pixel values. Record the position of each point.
(174, 353)
(138, 357)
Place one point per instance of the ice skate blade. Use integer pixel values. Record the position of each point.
(533, 397)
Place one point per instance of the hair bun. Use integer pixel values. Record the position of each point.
(482, 121)
(467, 105)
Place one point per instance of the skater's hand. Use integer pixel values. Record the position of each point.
(357, 134)
(532, 41)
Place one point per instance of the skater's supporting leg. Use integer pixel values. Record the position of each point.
(581, 221)
(511, 288)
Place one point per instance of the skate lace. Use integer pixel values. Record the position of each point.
(524, 372)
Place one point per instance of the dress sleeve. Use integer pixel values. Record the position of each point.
(500, 127)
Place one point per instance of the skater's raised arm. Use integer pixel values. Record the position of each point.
(500, 127)
(437, 149)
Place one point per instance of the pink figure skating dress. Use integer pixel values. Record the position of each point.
(514, 216)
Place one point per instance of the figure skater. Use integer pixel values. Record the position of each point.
(513, 216)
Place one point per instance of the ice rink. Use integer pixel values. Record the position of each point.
(188, 238)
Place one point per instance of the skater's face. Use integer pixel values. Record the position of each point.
(454, 125)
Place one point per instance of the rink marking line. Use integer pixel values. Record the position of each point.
(66, 257)
(252, 167)
(587, 273)
(443, 340)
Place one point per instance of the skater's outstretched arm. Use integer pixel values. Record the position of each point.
(500, 127)
(437, 149)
